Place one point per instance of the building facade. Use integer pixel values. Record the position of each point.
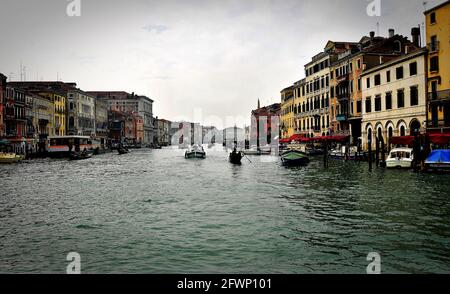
(101, 121)
(265, 125)
(43, 119)
(2, 95)
(438, 34)
(287, 117)
(394, 98)
(80, 112)
(125, 102)
(59, 105)
(346, 81)
(162, 128)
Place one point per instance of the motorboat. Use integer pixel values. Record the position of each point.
(294, 158)
(400, 158)
(10, 158)
(341, 153)
(196, 151)
(439, 160)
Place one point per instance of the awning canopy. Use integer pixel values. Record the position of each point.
(335, 139)
(439, 139)
(406, 140)
(297, 138)
(284, 141)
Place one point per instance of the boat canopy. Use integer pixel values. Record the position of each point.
(439, 156)
(439, 139)
(406, 140)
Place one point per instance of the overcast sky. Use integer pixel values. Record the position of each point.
(218, 57)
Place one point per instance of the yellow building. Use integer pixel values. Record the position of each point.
(287, 113)
(59, 103)
(438, 34)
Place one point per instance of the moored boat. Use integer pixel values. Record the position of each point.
(294, 158)
(196, 151)
(122, 150)
(439, 160)
(80, 155)
(10, 158)
(400, 158)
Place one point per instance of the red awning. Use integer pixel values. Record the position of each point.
(439, 139)
(297, 138)
(407, 140)
(283, 141)
(336, 139)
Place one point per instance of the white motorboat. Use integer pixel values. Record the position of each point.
(400, 158)
(196, 151)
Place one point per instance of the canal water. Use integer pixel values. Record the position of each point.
(152, 211)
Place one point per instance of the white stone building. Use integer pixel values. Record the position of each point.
(394, 98)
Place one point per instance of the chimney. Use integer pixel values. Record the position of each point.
(415, 33)
(372, 34)
(391, 33)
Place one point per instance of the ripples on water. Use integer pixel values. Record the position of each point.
(152, 211)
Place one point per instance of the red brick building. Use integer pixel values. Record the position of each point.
(265, 124)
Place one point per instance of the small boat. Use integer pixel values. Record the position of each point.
(400, 158)
(122, 150)
(10, 158)
(439, 160)
(196, 151)
(353, 154)
(294, 158)
(236, 157)
(80, 156)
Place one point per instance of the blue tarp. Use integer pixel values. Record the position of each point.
(438, 156)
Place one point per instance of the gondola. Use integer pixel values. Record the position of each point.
(236, 157)
(122, 151)
(294, 158)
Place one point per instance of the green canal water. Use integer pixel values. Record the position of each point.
(152, 211)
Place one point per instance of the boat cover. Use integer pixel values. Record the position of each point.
(439, 156)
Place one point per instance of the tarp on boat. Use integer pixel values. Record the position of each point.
(406, 140)
(439, 156)
(439, 139)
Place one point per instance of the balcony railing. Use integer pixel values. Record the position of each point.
(438, 124)
(439, 96)
(433, 47)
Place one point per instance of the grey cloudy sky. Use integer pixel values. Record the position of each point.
(217, 56)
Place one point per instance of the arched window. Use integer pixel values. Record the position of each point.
(402, 131)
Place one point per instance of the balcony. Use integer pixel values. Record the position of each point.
(439, 96)
(342, 78)
(438, 124)
(344, 96)
(433, 47)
